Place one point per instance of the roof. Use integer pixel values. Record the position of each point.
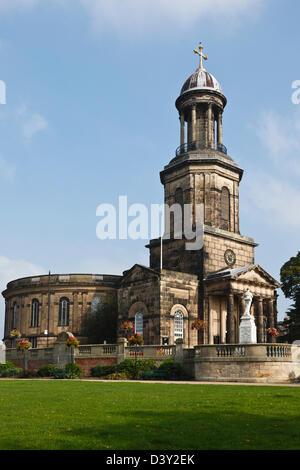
(199, 80)
(234, 273)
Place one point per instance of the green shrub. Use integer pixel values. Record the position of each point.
(117, 376)
(173, 369)
(7, 365)
(47, 370)
(73, 370)
(131, 367)
(126, 367)
(102, 371)
(15, 372)
(8, 369)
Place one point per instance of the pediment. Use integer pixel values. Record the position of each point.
(252, 273)
(258, 275)
(138, 273)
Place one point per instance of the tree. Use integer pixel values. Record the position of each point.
(290, 279)
(100, 324)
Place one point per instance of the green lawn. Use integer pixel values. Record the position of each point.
(56, 414)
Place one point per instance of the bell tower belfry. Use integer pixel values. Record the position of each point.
(202, 173)
(201, 114)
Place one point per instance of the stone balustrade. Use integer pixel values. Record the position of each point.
(245, 352)
(219, 362)
(97, 350)
(152, 352)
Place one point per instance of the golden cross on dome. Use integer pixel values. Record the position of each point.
(202, 56)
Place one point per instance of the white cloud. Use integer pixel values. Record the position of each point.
(142, 16)
(280, 135)
(11, 269)
(276, 192)
(31, 123)
(7, 171)
(277, 198)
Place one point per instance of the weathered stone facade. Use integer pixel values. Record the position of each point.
(78, 290)
(157, 295)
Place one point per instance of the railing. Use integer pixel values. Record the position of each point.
(198, 145)
(278, 351)
(98, 350)
(251, 352)
(151, 351)
(231, 351)
(34, 353)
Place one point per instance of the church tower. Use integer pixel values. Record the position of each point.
(202, 174)
(206, 280)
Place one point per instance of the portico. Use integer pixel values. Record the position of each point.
(224, 303)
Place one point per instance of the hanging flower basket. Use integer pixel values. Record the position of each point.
(273, 332)
(199, 324)
(72, 342)
(15, 333)
(127, 326)
(23, 345)
(136, 340)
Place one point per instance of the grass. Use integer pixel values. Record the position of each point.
(69, 415)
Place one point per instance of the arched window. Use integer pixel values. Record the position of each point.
(63, 313)
(178, 325)
(139, 324)
(35, 305)
(225, 209)
(95, 304)
(14, 315)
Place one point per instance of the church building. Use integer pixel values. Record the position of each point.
(208, 283)
(179, 285)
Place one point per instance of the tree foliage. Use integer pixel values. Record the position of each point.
(290, 279)
(100, 324)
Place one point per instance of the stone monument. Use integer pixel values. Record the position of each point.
(247, 325)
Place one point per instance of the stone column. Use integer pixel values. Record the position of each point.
(210, 324)
(222, 324)
(179, 350)
(230, 319)
(76, 323)
(271, 322)
(219, 131)
(24, 312)
(182, 129)
(260, 320)
(209, 126)
(122, 344)
(193, 122)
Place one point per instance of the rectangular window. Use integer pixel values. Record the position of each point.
(33, 341)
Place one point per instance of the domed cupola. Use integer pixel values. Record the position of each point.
(200, 105)
(201, 80)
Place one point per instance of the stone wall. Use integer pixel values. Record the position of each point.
(79, 289)
(256, 363)
(216, 242)
(157, 295)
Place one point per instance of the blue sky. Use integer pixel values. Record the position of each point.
(90, 115)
